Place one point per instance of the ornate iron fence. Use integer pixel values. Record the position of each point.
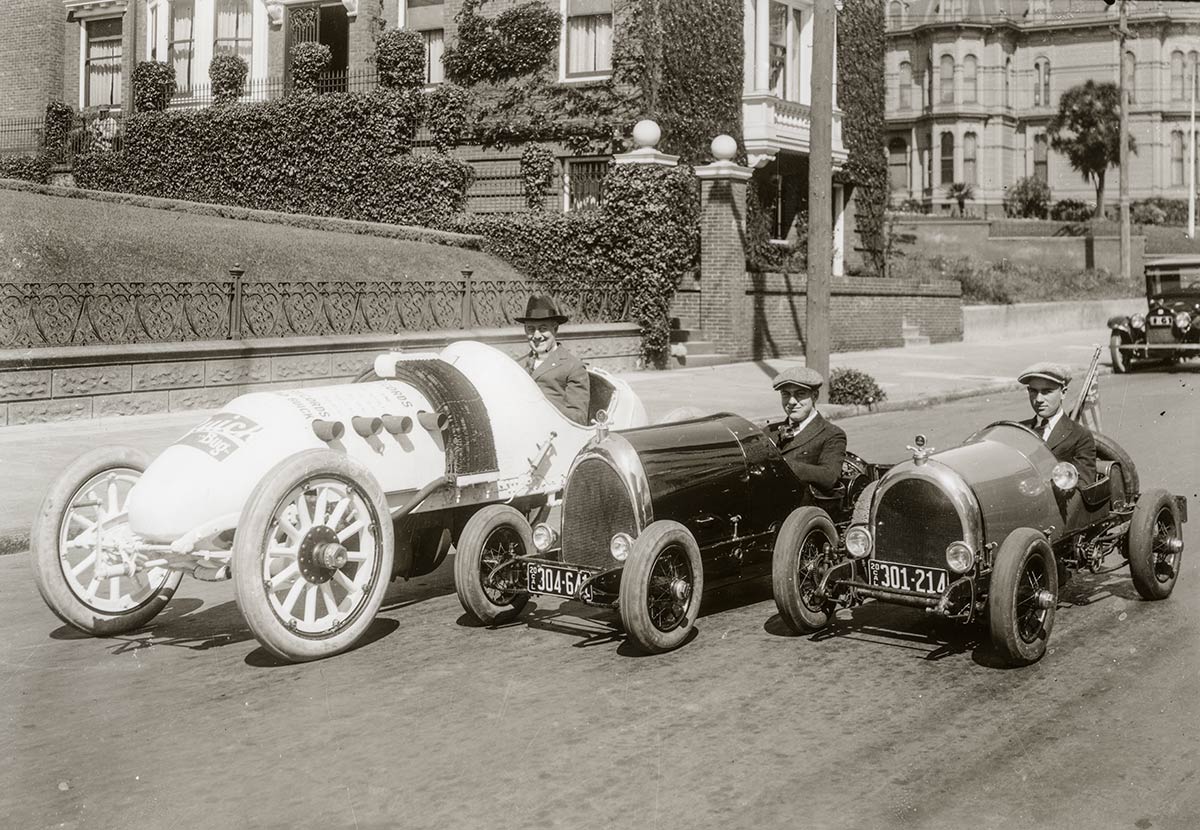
(34, 315)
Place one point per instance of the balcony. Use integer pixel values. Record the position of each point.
(771, 125)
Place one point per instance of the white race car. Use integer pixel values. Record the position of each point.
(313, 499)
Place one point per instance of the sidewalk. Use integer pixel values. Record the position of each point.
(33, 455)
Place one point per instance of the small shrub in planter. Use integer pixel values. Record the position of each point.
(309, 60)
(1148, 213)
(227, 75)
(1175, 211)
(400, 59)
(1027, 198)
(1072, 210)
(851, 386)
(153, 86)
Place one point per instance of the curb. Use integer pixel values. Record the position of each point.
(18, 542)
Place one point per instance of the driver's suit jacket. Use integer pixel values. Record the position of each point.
(1072, 442)
(563, 379)
(815, 454)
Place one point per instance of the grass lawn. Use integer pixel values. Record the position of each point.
(1168, 240)
(51, 238)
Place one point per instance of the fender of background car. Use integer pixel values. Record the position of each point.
(1120, 323)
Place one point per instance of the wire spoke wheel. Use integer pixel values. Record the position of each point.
(1155, 544)
(805, 543)
(502, 545)
(670, 590)
(1022, 597)
(1031, 616)
(494, 535)
(662, 582)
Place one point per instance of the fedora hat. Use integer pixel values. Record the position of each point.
(541, 307)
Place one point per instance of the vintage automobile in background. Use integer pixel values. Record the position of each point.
(1171, 330)
(651, 518)
(312, 499)
(987, 531)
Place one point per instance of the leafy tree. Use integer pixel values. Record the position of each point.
(1087, 130)
(960, 192)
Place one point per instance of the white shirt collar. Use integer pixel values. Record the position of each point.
(1051, 424)
(800, 427)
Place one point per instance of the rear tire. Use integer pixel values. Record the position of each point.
(494, 534)
(806, 537)
(1109, 450)
(661, 585)
(1023, 597)
(1155, 545)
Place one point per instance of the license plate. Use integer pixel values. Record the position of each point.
(906, 577)
(1160, 320)
(558, 581)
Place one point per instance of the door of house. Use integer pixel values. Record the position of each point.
(326, 24)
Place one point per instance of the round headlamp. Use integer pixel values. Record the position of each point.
(858, 542)
(1183, 320)
(620, 545)
(544, 537)
(1065, 476)
(959, 557)
(1138, 321)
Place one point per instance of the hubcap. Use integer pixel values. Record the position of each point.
(669, 594)
(1034, 600)
(1044, 599)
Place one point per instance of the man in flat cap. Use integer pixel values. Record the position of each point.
(1069, 441)
(561, 375)
(812, 447)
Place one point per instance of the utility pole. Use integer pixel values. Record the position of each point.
(1191, 231)
(1123, 32)
(820, 191)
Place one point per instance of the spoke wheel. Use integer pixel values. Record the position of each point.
(1023, 597)
(83, 523)
(804, 544)
(494, 535)
(312, 555)
(1155, 545)
(661, 587)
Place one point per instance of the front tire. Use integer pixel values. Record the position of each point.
(805, 539)
(312, 555)
(661, 585)
(1155, 545)
(1121, 362)
(1023, 597)
(90, 495)
(493, 535)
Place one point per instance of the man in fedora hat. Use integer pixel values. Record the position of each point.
(561, 376)
(1069, 441)
(812, 447)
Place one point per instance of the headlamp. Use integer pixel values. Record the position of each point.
(619, 546)
(544, 537)
(1138, 321)
(1065, 476)
(1183, 320)
(858, 542)
(959, 557)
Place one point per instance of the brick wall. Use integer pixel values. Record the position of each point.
(100, 381)
(31, 56)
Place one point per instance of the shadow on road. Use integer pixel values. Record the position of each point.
(379, 628)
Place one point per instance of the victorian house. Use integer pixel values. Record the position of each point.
(973, 84)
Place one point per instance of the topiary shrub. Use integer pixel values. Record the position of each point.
(227, 75)
(537, 174)
(29, 168)
(393, 119)
(309, 60)
(60, 118)
(1071, 210)
(852, 386)
(1027, 198)
(153, 86)
(400, 59)
(446, 116)
(520, 40)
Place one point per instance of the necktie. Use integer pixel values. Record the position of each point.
(1041, 427)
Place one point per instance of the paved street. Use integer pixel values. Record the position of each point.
(552, 722)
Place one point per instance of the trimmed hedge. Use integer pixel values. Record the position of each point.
(520, 40)
(400, 59)
(27, 168)
(853, 386)
(327, 155)
(153, 86)
(227, 77)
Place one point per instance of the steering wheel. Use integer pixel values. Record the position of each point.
(974, 435)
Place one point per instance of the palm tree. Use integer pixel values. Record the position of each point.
(960, 192)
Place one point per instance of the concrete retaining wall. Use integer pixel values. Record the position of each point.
(989, 322)
(79, 382)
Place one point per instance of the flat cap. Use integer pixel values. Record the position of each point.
(1053, 372)
(798, 376)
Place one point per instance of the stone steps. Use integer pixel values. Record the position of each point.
(688, 349)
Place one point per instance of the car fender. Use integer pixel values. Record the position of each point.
(1121, 323)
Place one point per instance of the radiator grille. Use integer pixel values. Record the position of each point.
(914, 524)
(596, 506)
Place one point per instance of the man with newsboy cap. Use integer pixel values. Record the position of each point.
(1047, 386)
(561, 376)
(812, 447)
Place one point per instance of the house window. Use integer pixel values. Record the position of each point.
(152, 32)
(1177, 76)
(233, 29)
(778, 50)
(1008, 82)
(970, 140)
(1177, 160)
(1131, 76)
(583, 182)
(1038, 9)
(929, 81)
(947, 79)
(1041, 164)
(425, 16)
(895, 13)
(929, 161)
(589, 33)
(947, 170)
(102, 63)
(1193, 74)
(1041, 83)
(898, 164)
(970, 79)
(905, 85)
(952, 9)
(180, 49)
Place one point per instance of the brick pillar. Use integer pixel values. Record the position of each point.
(723, 314)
